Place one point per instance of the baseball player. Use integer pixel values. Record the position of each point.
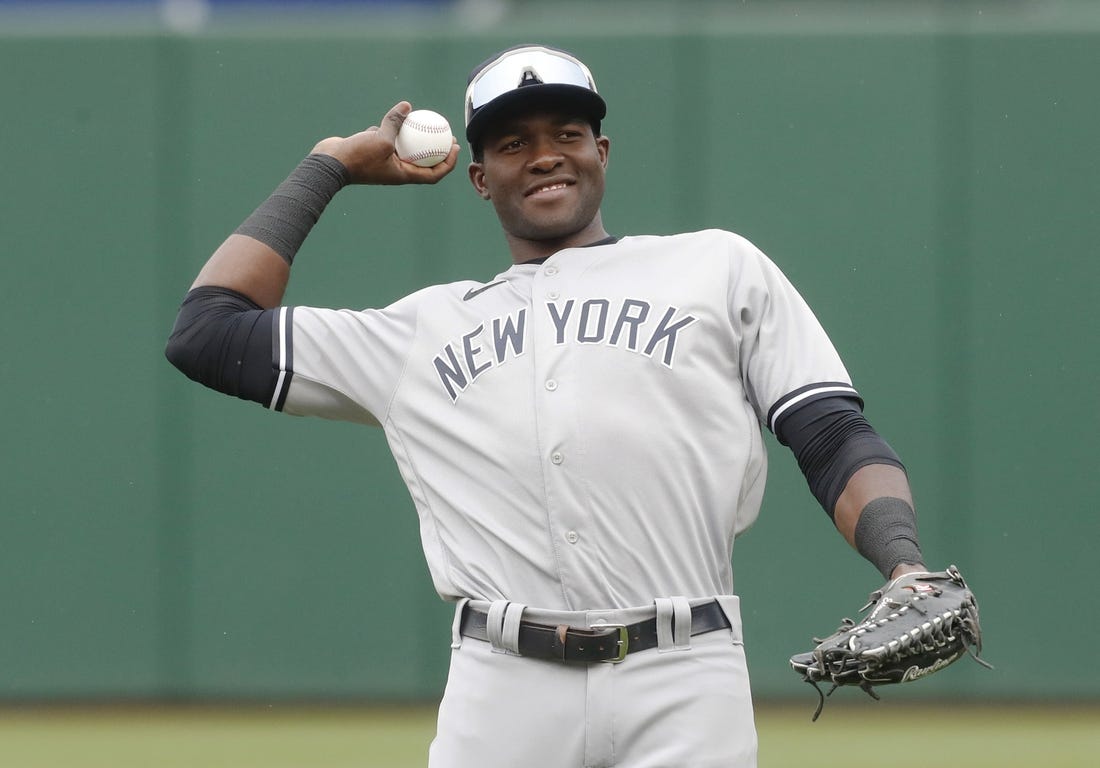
(581, 434)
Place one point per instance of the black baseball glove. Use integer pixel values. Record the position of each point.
(918, 624)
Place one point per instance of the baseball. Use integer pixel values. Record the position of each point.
(425, 138)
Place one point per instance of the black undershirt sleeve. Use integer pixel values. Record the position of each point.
(830, 440)
(223, 339)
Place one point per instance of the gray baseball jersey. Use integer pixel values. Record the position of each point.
(550, 423)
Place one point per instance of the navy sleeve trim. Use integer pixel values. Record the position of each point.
(831, 440)
(807, 394)
(282, 353)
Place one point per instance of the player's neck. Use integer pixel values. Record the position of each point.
(524, 250)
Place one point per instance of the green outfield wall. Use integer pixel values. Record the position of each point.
(928, 175)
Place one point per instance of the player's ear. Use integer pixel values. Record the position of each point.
(477, 178)
(603, 146)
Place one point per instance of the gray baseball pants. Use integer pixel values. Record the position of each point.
(684, 704)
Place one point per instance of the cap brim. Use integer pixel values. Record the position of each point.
(551, 95)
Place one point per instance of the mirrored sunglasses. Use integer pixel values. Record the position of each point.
(521, 66)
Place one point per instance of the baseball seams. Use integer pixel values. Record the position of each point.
(424, 138)
(424, 154)
(412, 122)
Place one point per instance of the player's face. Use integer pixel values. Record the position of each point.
(544, 173)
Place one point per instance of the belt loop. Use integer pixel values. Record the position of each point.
(665, 612)
(502, 626)
(513, 617)
(681, 623)
(456, 626)
(731, 606)
(673, 624)
(494, 625)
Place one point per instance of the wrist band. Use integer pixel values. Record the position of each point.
(287, 216)
(886, 534)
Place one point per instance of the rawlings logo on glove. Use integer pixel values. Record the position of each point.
(918, 624)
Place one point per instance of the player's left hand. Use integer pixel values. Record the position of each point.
(371, 157)
(918, 624)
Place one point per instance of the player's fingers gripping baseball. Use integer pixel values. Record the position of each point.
(394, 119)
(371, 156)
(421, 138)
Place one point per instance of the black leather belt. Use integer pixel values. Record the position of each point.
(603, 642)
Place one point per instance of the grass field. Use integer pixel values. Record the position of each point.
(861, 733)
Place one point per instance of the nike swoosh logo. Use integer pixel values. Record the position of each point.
(475, 291)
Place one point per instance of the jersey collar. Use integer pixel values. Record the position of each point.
(609, 240)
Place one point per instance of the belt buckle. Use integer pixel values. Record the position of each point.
(623, 642)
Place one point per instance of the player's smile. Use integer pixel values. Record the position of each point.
(545, 190)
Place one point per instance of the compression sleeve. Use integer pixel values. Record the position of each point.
(830, 440)
(283, 221)
(886, 534)
(223, 339)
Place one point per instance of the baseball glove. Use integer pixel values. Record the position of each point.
(918, 624)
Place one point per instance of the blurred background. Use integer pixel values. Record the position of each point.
(927, 173)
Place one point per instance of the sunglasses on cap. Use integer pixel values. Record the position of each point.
(526, 66)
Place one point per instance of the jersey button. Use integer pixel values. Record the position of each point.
(553, 295)
(551, 271)
(572, 537)
(551, 385)
(556, 457)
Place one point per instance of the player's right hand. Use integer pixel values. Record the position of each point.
(371, 158)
